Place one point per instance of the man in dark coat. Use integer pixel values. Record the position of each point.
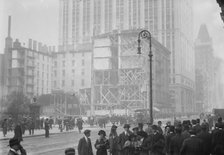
(159, 127)
(157, 142)
(206, 139)
(85, 146)
(218, 140)
(15, 147)
(18, 133)
(192, 145)
(185, 134)
(79, 124)
(124, 139)
(176, 143)
(31, 126)
(4, 127)
(170, 134)
(46, 127)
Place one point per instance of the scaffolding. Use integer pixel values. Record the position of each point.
(119, 79)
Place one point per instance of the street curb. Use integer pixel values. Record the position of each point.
(29, 136)
(39, 135)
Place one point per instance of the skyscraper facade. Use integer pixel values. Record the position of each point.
(169, 21)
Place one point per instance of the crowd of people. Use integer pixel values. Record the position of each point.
(26, 124)
(181, 138)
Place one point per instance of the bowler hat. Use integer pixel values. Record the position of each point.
(126, 126)
(192, 131)
(114, 127)
(142, 134)
(102, 132)
(135, 128)
(70, 151)
(14, 141)
(87, 131)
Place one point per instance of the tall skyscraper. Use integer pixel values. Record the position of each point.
(169, 21)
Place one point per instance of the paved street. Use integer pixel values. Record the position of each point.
(55, 145)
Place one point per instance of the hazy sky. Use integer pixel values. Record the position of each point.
(38, 19)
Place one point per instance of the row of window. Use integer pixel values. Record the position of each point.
(73, 72)
(73, 63)
(72, 83)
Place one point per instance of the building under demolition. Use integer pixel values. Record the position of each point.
(120, 77)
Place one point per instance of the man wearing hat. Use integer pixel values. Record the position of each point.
(206, 137)
(157, 142)
(70, 151)
(192, 145)
(123, 139)
(15, 147)
(85, 146)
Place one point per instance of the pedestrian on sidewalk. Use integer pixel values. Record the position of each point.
(15, 147)
(4, 127)
(85, 146)
(31, 127)
(102, 143)
(46, 127)
(79, 124)
(18, 133)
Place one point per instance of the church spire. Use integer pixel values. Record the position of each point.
(203, 34)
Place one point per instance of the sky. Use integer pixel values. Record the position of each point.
(38, 19)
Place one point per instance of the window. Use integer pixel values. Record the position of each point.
(63, 83)
(83, 72)
(63, 55)
(83, 82)
(63, 72)
(55, 73)
(83, 54)
(63, 63)
(73, 83)
(55, 64)
(73, 71)
(83, 62)
(55, 84)
(73, 62)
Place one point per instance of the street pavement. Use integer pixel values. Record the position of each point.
(56, 144)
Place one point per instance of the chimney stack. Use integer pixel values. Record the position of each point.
(9, 26)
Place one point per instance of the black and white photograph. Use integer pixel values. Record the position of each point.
(111, 77)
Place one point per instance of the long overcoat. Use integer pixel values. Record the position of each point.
(85, 148)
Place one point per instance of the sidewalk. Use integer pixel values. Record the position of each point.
(41, 132)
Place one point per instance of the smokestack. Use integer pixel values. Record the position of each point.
(9, 26)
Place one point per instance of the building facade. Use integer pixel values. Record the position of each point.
(170, 22)
(29, 69)
(72, 70)
(205, 71)
(120, 77)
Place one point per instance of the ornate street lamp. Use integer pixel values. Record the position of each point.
(144, 34)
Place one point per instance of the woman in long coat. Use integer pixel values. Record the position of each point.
(18, 132)
(113, 141)
(102, 144)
